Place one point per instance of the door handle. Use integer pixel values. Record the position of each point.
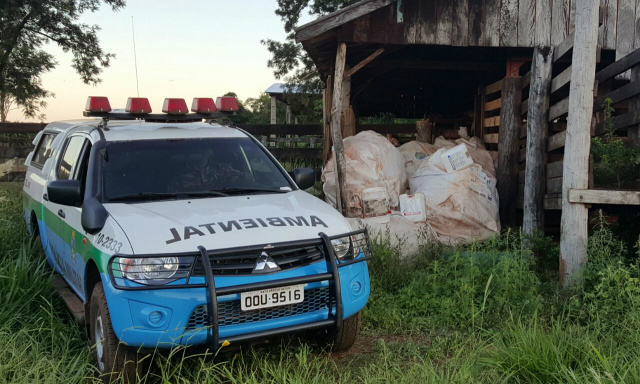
(45, 197)
(61, 213)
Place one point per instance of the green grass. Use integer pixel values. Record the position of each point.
(486, 313)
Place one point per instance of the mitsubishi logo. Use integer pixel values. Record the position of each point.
(265, 264)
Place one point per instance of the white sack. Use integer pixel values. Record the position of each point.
(372, 161)
(414, 154)
(475, 147)
(461, 206)
(400, 232)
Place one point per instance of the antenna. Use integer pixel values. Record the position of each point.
(135, 57)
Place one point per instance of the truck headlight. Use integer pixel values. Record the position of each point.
(345, 248)
(152, 270)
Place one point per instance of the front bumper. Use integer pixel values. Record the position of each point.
(157, 316)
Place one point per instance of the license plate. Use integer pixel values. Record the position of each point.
(272, 297)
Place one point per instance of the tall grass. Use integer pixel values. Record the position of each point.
(486, 313)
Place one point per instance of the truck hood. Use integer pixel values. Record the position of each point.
(225, 222)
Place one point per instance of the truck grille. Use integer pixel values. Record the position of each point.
(243, 262)
(229, 312)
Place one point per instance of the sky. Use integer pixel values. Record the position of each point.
(193, 48)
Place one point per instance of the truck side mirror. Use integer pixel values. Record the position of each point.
(305, 178)
(65, 192)
(94, 216)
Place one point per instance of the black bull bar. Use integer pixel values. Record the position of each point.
(332, 276)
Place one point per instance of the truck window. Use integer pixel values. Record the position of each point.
(187, 167)
(43, 151)
(70, 157)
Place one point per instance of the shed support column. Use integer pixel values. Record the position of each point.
(509, 149)
(274, 109)
(423, 127)
(537, 133)
(336, 132)
(327, 93)
(575, 175)
(289, 116)
(348, 121)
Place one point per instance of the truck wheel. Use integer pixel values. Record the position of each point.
(344, 339)
(114, 360)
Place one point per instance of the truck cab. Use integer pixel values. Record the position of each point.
(174, 230)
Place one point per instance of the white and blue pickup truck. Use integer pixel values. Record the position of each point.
(174, 230)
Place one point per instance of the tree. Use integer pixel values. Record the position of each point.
(289, 60)
(25, 27)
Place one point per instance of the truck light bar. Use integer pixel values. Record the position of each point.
(174, 109)
(174, 106)
(203, 105)
(138, 105)
(227, 104)
(97, 104)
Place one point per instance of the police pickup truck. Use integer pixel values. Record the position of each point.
(174, 230)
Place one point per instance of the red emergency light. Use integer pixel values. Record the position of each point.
(138, 105)
(175, 106)
(97, 104)
(227, 104)
(203, 105)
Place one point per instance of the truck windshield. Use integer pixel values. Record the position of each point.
(186, 168)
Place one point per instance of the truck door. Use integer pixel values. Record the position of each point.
(66, 238)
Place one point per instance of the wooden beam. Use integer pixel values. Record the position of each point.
(537, 132)
(336, 132)
(595, 196)
(575, 175)
(564, 47)
(492, 105)
(625, 63)
(490, 138)
(561, 80)
(493, 88)
(436, 65)
(557, 141)
(559, 109)
(508, 149)
(364, 62)
(335, 19)
(492, 121)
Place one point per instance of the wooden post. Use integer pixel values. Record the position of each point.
(274, 110)
(289, 115)
(535, 179)
(326, 120)
(336, 132)
(573, 232)
(509, 149)
(348, 117)
(423, 127)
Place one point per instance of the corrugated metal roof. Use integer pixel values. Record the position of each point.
(280, 88)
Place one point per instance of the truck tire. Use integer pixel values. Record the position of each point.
(114, 360)
(344, 339)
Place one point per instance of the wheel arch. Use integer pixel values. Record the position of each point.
(91, 278)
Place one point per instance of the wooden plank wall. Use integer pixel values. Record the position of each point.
(492, 23)
(490, 108)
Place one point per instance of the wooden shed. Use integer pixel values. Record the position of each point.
(467, 61)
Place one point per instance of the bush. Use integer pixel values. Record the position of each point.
(457, 288)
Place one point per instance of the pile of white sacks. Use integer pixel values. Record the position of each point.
(461, 204)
